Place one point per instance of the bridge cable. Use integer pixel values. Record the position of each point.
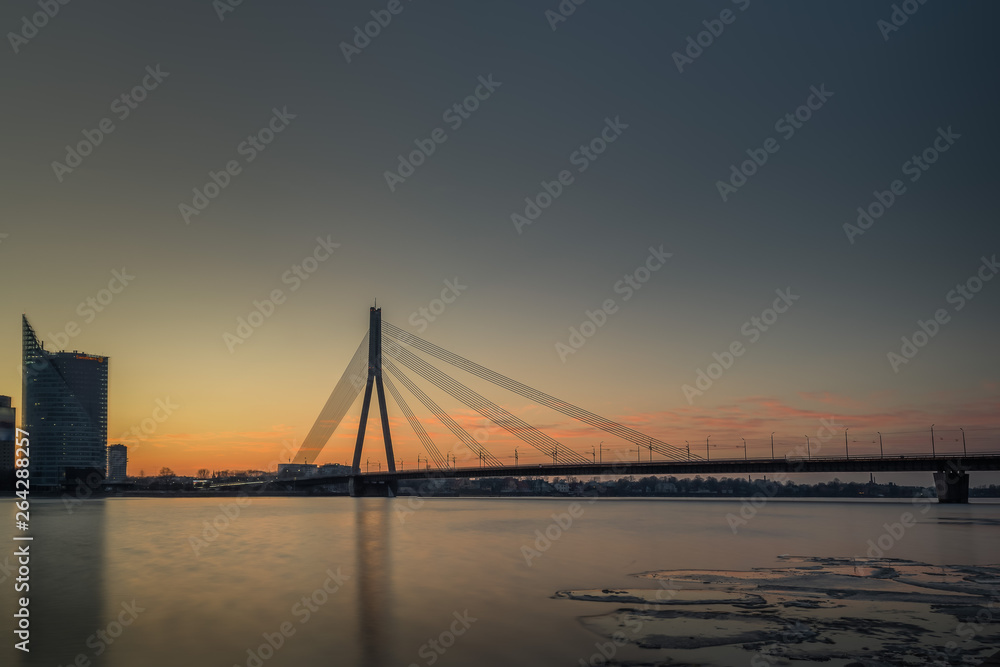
(491, 411)
(441, 415)
(535, 395)
(528, 392)
(341, 398)
(418, 428)
(498, 415)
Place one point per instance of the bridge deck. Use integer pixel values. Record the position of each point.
(941, 463)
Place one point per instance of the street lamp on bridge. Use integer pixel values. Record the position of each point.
(808, 451)
(708, 454)
(881, 453)
(847, 447)
(932, 441)
(744, 448)
(772, 444)
(515, 457)
(964, 452)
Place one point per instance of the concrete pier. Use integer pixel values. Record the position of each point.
(952, 486)
(360, 488)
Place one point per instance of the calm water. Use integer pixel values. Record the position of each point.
(405, 574)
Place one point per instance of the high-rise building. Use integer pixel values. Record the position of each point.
(117, 463)
(7, 425)
(64, 409)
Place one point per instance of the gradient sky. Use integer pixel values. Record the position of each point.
(323, 176)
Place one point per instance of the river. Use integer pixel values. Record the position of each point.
(125, 582)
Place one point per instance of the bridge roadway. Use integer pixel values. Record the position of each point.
(951, 469)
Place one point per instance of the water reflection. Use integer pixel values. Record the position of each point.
(408, 580)
(67, 583)
(373, 527)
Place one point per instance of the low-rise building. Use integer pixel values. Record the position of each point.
(296, 470)
(7, 426)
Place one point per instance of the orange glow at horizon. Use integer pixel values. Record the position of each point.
(903, 430)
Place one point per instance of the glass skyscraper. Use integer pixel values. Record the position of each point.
(64, 410)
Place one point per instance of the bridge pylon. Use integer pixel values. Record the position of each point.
(374, 379)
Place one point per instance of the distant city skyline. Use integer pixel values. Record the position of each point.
(702, 220)
(829, 435)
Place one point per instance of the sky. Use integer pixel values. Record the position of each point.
(665, 171)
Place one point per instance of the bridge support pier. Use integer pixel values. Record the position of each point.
(952, 486)
(359, 488)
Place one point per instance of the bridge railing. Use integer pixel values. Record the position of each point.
(915, 455)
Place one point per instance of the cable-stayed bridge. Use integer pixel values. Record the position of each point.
(386, 352)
